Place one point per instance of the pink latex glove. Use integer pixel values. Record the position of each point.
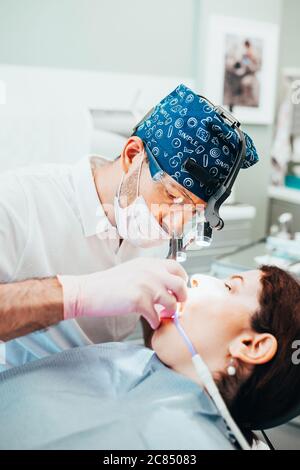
(132, 287)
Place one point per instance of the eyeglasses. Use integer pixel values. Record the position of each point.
(175, 190)
(191, 212)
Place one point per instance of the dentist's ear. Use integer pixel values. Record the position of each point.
(254, 348)
(133, 147)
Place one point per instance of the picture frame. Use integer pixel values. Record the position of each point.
(241, 67)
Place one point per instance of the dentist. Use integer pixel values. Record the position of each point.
(75, 225)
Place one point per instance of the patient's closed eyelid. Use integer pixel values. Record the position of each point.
(228, 286)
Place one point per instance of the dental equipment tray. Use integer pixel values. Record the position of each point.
(254, 255)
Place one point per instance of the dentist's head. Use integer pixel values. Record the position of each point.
(156, 194)
(248, 324)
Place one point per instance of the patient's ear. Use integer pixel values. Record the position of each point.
(133, 147)
(254, 348)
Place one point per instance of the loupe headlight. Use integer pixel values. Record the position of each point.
(204, 234)
(177, 250)
(198, 231)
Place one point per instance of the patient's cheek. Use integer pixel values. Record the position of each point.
(193, 309)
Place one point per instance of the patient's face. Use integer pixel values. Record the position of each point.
(216, 312)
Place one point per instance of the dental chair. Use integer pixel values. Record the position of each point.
(284, 432)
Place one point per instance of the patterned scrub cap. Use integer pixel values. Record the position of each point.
(184, 125)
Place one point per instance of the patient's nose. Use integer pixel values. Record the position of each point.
(201, 279)
(196, 280)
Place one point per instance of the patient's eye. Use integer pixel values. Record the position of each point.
(228, 286)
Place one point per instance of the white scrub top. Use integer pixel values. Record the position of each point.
(52, 222)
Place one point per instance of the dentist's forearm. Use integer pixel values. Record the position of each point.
(134, 286)
(29, 306)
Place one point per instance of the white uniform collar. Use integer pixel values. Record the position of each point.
(93, 217)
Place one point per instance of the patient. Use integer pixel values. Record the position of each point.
(250, 321)
(124, 396)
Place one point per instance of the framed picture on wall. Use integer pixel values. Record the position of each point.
(241, 67)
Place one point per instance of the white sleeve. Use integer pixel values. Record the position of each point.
(14, 220)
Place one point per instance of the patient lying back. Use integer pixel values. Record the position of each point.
(119, 395)
(109, 396)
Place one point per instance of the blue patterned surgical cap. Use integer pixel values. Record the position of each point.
(184, 125)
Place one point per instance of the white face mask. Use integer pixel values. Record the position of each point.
(136, 223)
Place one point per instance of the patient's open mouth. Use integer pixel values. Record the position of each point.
(167, 319)
(166, 316)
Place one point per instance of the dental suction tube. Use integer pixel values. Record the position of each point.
(205, 376)
(208, 382)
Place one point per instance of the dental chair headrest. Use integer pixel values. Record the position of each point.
(289, 416)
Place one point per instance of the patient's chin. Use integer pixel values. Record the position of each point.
(164, 323)
(161, 333)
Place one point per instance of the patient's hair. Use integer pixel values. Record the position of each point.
(272, 389)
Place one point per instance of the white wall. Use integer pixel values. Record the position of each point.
(289, 53)
(252, 184)
(128, 36)
(46, 117)
(161, 37)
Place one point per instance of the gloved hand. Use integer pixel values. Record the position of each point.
(132, 287)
